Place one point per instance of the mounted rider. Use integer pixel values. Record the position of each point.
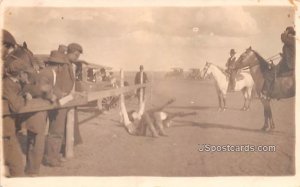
(287, 62)
(230, 64)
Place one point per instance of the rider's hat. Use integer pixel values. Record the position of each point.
(232, 51)
(291, 30)
(57, 57)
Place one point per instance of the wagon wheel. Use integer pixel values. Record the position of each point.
(99, 104)
(109, 102)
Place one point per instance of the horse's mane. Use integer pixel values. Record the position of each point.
(264, 65)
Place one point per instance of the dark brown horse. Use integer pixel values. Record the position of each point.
(283, 86)
(21, 52)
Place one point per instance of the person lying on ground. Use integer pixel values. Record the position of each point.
(155, 119)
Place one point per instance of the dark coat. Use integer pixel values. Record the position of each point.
(137, 79)
(288, 49)
(48, 82)
(45, 85)
(12, 93)
(230, 63)
(13, 101)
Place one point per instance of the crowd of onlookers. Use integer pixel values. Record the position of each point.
(25, 78)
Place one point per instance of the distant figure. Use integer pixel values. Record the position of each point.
(104, 74)
(230, 69)
(137, 80)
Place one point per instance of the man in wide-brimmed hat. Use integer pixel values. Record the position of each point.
(230, 64)
(63, 84)
(44, 86)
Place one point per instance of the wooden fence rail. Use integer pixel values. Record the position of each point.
(79, 99)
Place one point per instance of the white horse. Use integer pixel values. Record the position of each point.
(244, 83)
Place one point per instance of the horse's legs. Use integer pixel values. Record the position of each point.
(220, 101)
(249, 93)
(268, 115)
(224, 102)
(264, 128)
(272, 125)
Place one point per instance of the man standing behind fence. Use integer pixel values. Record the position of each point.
(65, 82)
(137, 80)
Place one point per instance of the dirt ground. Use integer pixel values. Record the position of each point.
(108, 150)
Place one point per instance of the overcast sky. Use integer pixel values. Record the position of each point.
(158, 38)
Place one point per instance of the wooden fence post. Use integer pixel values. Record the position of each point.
(70, 134)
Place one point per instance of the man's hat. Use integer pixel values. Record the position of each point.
(74, 47)
(232, 51)
(8, 38)
(18, 65)
(57, 57)
(62, 48)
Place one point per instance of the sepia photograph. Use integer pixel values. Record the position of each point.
(148, 93)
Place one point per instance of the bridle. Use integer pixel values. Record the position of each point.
(206, 67)
(242, 58)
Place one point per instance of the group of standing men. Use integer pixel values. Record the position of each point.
(22, 82)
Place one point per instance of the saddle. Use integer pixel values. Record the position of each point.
(282, 70)
(273, 87)
(238, 75)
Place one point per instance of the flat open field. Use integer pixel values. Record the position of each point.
(108, 150)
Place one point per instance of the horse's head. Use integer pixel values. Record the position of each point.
(206, 70)
(247, 59)
(21, 52)
(251, 58)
